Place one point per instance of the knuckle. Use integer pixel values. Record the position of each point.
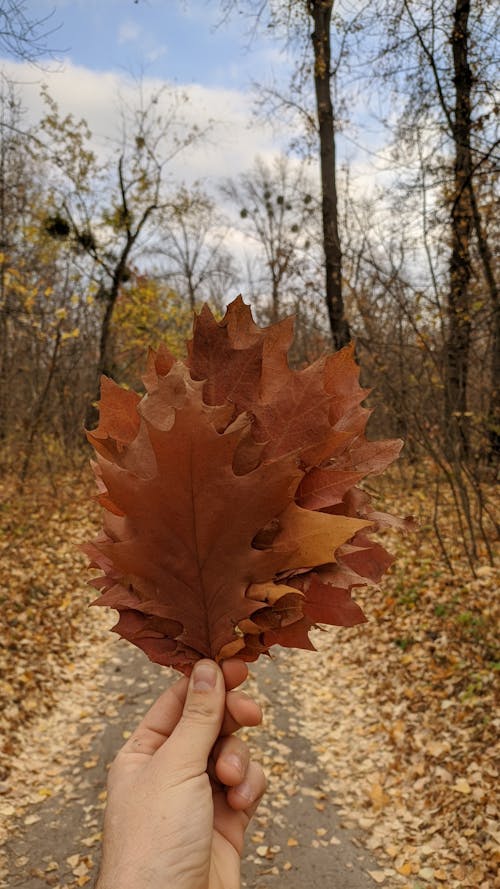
(199, 709)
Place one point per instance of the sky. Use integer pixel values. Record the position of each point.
(102, 48)
(179, 40)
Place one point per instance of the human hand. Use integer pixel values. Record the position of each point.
(183, 789)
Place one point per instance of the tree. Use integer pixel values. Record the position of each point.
(291, 19)
(193, 246)
(46, 322)
(278, 215)
(11, 206)
(321, 13)
(401, 334)
(21, 34)
(439, 58)
(106, 210)
(147, 313)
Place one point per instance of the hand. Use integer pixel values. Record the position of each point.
(182, 790)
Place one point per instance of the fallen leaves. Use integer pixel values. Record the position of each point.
(405, 703)
(412, 694)
(47, 626)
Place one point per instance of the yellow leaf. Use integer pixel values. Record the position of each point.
(91, 763)
(462, 786)
(405, 869)
(378, 797)
(313, 537)
(436, 748)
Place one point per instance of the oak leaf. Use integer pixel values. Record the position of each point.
(232, 520)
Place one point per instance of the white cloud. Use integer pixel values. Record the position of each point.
(129, 32)
(157, 52)
(234, 140)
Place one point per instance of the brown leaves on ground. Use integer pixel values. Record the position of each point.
(418, 767)
(399, 711)
(231, 512)
(46, 626)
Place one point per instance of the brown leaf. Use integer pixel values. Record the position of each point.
(216, 540)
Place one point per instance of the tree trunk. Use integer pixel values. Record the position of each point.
(103, 361)
(493, 419)
(117, 278)
(494, 411)
(459, 320)
(321, 13)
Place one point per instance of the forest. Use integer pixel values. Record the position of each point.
(104, 253)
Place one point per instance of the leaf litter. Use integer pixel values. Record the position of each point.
(399, 712)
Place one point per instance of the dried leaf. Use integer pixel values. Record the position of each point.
(221, 537)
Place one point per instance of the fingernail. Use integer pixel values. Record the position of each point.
(204, 676)
(245, 791)
(234, 761)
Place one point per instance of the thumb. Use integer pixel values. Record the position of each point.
(196, 732)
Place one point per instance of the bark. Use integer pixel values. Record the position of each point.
(321, 13)
(493, 419)
(494, 412)
(103, 361)
(117, 277)
(459, 318)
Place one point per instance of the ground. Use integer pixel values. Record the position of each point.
(378, 747)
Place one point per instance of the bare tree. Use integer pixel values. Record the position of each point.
(193, 254)
(278, 212)
(438, 56)
(22, 34)
(321, 13)
(106, 210)
(291, 21)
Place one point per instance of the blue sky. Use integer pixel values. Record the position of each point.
(179, 40)
(102, 47)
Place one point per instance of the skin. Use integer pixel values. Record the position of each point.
(182, 790)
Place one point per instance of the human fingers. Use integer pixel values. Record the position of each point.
(231, 758)
(246, 796)
(193, 737)
(235, 672)
(241, 710)
(160, 720)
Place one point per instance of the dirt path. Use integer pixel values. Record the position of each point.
(297, 834)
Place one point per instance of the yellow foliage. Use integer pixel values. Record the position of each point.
(71, 334)
(146, 314)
